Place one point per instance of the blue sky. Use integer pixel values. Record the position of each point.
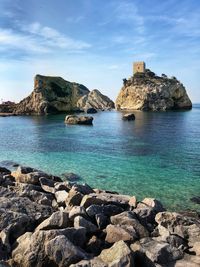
(94, 42)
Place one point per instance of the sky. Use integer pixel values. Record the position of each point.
(95, 42)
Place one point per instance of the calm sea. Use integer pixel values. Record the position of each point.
(157, 155)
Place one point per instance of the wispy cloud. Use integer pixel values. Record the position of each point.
(35, 38)
(184, 24)
(128, 12)
(12, 40)
(75, 19)
(54, 38)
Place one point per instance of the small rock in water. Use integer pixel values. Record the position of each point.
(82, 120)
(129, 117)
(70, 176)
(195, 200)
(91, 111)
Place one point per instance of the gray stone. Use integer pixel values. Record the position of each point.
(77, 211)
(84, 189)
(105, 199)
(60, 186)
(153, 203)
(101, 220)
(30, 248)
(94, 245)
(4, 171)
(129, 218)
(95, 262)
(107, 210)
(61, 197)
(47, 185)
(74, 198)
(58, 219)
(62, 252)
(177, 224)
(82, 222)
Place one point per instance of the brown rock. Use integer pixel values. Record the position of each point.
(116, 233)
(129, 218)
(118, 255)
(73, 119)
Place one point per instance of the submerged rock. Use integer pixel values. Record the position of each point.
(73, 119)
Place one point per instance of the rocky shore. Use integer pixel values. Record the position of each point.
(46, 221)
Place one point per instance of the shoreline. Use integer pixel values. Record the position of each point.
(46, 221)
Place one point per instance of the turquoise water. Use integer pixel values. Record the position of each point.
(157, 155)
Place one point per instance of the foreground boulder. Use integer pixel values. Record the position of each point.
(43, 248)
(62, 252)
(95, 100)
(146, 91)
(73, 119)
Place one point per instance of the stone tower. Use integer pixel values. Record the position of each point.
(138, 67)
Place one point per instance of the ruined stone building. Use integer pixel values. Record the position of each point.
(138, 67)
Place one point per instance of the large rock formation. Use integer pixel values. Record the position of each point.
(55, 95)
(51, 95)
(95, 100)
(146, 91)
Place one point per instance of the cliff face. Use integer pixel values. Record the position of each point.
(51, 95)
(95, 100)
(145, 91)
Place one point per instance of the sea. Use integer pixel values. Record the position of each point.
(157, 155)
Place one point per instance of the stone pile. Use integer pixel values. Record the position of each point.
(45, 221)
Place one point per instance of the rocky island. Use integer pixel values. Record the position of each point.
(53, 95)
(146, 91)
(46, 221)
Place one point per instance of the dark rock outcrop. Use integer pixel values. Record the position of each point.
(95, 100)
(128, 117)
(145, 91)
